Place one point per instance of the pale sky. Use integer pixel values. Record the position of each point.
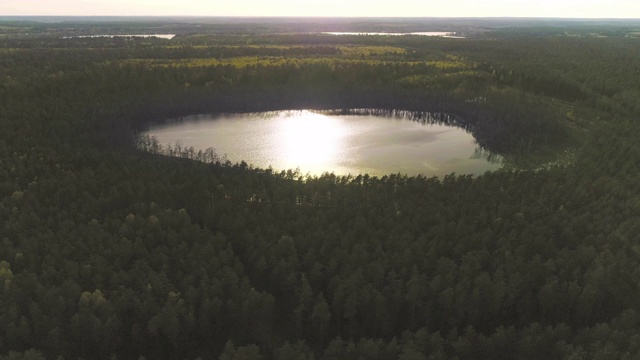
(349, 8)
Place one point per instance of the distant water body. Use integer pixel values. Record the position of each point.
(356, 141)
(161, 36)
(427, 33)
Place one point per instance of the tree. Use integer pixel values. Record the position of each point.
(30, 354)
(320, 317)
(247, 352)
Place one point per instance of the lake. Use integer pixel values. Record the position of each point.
(424, 33)
(161, 36)
(376, 142)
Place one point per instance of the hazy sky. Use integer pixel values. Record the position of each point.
(416, 8)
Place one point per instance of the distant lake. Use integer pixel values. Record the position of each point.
(427, 33)
(343, 142)
(161, 36)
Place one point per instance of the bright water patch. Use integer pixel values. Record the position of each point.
(343, 142)
(424, 33)
(161, 36)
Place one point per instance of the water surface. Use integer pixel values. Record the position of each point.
(161, 36)
(316, 142)
(424, 33)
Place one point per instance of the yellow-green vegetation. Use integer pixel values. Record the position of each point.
(365, 55)
(246, 61)
(451, 62)
(107, 252)
(244, 46)
(364, 51)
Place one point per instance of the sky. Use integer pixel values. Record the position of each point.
(346, 8)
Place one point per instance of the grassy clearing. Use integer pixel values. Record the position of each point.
(356, 51)
(246, 61)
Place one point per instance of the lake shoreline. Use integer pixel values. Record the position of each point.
(345, 141)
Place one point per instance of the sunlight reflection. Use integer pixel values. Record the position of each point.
(310, 141)
(318, 142)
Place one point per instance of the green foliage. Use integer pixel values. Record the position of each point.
(27, 355)
(249, 352)
(111, 250)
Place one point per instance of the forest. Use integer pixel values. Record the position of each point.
(112, 248)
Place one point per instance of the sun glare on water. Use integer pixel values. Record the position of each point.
(310, 141)
(320, 142)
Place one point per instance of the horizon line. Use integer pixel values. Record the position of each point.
(323, 17)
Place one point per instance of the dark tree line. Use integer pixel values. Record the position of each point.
(111, 252)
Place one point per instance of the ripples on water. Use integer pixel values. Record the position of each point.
(356, 141)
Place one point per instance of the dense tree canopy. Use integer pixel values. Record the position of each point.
(112, 250)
